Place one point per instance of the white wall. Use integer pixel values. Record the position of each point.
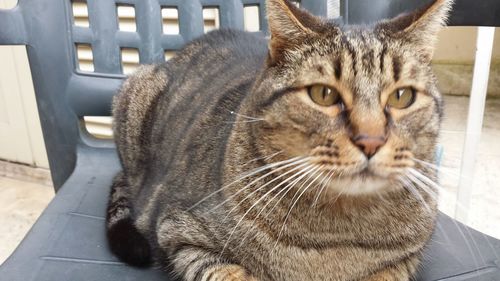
(20, 132)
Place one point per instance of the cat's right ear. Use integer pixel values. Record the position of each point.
(288, 25)
(419, 28)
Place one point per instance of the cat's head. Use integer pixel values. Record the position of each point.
(360, 102)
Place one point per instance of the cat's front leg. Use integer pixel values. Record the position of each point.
(389, 275)
(227, 272)
(195, 264)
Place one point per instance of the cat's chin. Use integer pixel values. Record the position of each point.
(363, 183)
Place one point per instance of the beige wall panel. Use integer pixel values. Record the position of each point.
(30, 108)
(14, 138)
(7, 4)
(454, 61)
(458, 44)
(21, 137)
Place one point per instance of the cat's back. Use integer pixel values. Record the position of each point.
(176, 116)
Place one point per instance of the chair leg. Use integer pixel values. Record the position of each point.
(484, 50)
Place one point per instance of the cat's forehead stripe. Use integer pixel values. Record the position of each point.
(352, 53)
(365, 51)
(383, 53)
(396, 68)
(338, 67)
(368, 60)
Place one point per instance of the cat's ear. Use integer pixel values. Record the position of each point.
(288, 24)
(421, 27)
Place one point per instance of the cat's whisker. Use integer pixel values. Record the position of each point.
(244, 121)
(310, 180)
(421, 185)
(333, 200)
(338, 196)
(310, 173)
(437, 168)
(425, 183)
(265, 185)
(327, 181)
(305, 172)
(447, 161)
(426, 180)
(246, 116)
(321, 186)
(441, 189)
(462, 207)
(459, 205)
(432, 165)
(264, 158)
(257, 202)
(453, 173)
(293, 205)
(301, 174)
(417, 180)
(257, 180)
(298, 159)
(249, 174)
(413, 190)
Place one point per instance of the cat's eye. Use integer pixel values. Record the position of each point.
(323, 95)
(402, 98)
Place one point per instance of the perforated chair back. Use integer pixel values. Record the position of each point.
(66, 94)
(465, 12)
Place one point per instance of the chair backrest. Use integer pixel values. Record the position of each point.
(465, 12)
(66, 94)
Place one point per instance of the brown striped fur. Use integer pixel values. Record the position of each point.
(232, 172)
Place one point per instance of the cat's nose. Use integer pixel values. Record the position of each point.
(369, 144)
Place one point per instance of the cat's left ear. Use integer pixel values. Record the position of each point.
(421, 27)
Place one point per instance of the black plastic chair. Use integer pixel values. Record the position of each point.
(68, 241)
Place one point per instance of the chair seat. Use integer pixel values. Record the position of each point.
(68, 241)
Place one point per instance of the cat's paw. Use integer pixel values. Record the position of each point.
(380, 277)
(228, 273)
(389, 275)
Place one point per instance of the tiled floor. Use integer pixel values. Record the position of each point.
(485, 201)
(21, 202)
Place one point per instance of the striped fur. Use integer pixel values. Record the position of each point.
(231, 171)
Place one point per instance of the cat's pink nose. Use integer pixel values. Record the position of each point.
(369, 144)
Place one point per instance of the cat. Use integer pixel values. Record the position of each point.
(296, 158)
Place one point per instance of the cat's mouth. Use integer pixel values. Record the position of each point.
(364, 181)
(357, 176)
(358, 185)
(367, 174)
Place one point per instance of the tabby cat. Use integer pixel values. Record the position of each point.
(289, 159)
